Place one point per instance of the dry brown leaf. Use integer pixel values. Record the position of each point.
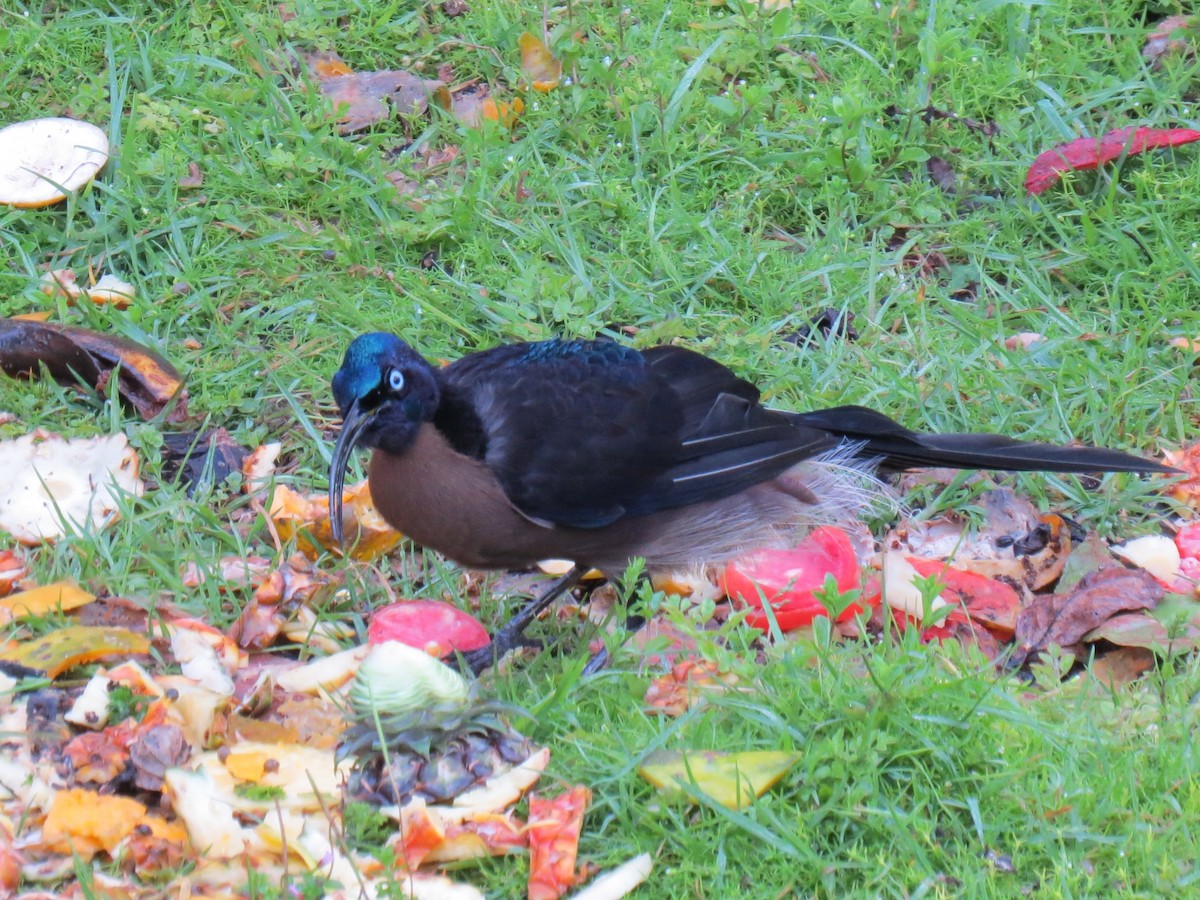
(157, 748)
(474, 105)
(1121, 666)
(1064, 619)
(363, 99)
(147, 381)
(1172, 35)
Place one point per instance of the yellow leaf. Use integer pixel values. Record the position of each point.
(62, 595)
(499, 111)
(731, 779)
(54, 653)
(539, 64)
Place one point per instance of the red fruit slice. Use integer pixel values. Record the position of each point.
(433, 626)
(788, 579)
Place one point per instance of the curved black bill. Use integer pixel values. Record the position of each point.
(352, 427)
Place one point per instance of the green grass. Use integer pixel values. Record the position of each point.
(691, 138)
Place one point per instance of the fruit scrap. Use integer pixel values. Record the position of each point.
(53, 484)
(307, 519)
(554, 827)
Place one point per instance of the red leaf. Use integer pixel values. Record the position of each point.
(1089, 153)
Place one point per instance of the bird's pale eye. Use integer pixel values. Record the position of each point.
(395, 380)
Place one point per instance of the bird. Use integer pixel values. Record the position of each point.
(596, 452)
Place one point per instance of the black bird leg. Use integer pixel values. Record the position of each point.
(633, 624)
(511, 634)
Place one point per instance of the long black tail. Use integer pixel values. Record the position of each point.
(904, 449)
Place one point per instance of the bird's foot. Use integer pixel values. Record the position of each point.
(477, 661)
(512, 635)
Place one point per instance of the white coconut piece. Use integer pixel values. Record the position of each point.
(618, 882)
(51, 484)
(41, 160)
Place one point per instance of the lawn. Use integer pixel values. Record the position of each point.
(715, 174)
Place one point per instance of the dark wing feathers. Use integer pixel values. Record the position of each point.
(581, 433)
(900, 448)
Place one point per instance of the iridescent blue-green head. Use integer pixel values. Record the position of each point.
(385, 391)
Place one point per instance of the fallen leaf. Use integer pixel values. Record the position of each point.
(538, 63)
(78, 355)
(193, 180)
(201, 461)
(474, 105)
(1121, 666)
(1064, 619)
(157, 749)
(554, 827)
(1145, 631)
(731, 779)
(1170, 36)
(54, 653)
(1090, 153)
(58, 597)
(361, 99)
(1091, 555)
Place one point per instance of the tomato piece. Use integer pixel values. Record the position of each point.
(789, 579)
(989, 602)
(433, 626)
(1187, 539)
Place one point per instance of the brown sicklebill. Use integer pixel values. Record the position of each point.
(599, 453)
